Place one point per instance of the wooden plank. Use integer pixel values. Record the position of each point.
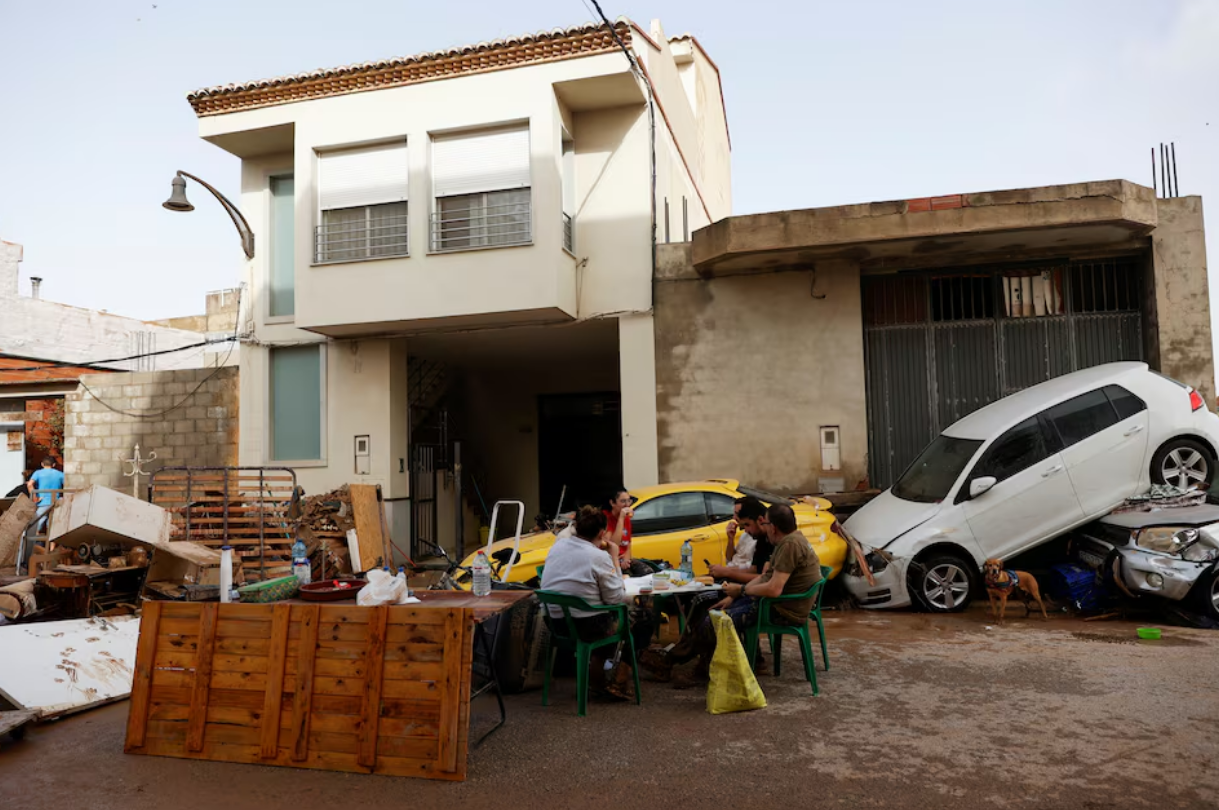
(203, 674)
(412, 690)
(177, 643)
(408, 727)
(409, 747)
(450, 685)
(345, 614)
(240, 681)
(375, 661)
(463, 714)
(141, 684)
(240, 663)
(167, 694)
(337, 704)
(367, 508)
(302, 697)
(412, 671)
(431, 633)
(420, 653)
(275, 681)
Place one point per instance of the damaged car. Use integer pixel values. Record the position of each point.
(1167, 553)
(1024, 470)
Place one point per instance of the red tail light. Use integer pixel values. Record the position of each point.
(1195, 400)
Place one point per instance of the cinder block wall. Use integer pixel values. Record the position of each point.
(188, 418)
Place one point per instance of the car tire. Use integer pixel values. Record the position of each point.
(1183, 460)
(942, 582)
(1207, 595)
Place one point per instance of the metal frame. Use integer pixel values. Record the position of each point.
(442, 227)
(362, 237)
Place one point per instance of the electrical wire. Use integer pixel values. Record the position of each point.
(158, 414)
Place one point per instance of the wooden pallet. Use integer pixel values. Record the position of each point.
(366, 690)
(239, 506)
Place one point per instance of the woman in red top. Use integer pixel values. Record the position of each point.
(618, 534)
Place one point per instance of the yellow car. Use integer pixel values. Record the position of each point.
(666, 516)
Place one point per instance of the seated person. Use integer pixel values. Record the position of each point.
(793, 568)
(750, 550)
(578, 566)
(618, 533)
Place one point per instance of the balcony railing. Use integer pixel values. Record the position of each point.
(569, 233)
(480, 226)
(377, 238)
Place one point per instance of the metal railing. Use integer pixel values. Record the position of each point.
(379, 237)
(569, 233)
(482, 226)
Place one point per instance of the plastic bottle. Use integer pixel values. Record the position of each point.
(300, 562)
(226, 573)
(482, 575)
(406, 586)
(687, 559)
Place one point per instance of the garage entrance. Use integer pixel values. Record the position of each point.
(940, 344)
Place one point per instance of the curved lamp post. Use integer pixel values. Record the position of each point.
(177, 202)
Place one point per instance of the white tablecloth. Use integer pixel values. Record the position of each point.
(633, 585)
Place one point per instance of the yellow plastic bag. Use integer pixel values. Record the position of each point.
(733, 687)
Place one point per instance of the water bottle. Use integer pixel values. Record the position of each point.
(482, 575)
(406, 586)
(687, 559)
(226, 573)
(300, 562)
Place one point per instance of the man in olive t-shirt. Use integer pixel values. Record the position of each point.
(794, 557)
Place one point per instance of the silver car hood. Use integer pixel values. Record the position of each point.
(887, 517)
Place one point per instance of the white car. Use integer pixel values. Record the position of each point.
(1024, 470)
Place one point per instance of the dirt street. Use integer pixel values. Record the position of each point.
(916, 712)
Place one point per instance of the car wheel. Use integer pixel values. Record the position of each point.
(1208, 596)
(1183, 463)
(942, 582)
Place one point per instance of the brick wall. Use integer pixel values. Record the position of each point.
(199, 429)
(43, 431)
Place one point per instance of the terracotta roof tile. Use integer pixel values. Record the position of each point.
(544, 46)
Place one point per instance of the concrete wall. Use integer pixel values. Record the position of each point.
(1182, 300)
(198, 429)
(748, 368)
(10, 267)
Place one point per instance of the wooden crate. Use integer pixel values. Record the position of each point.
(368, 690)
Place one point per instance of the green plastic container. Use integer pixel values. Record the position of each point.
(1149, 633)
(273, 590)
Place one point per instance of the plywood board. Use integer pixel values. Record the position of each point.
(336, 687)
(367, 509)
(61, 667)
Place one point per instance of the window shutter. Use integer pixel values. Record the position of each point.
(481, 161)
(369, 176)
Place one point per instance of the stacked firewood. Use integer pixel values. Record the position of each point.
(325, 521)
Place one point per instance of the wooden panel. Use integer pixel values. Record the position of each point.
(306, 655)
(275, 681)
(203, 674)
(366, 509)
(306, 686)
(141, 685)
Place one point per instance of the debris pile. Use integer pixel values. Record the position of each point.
(325, 521)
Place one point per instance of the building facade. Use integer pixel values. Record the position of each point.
(453, 286)
(832, 344)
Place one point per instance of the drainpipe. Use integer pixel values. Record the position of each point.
(35, 283)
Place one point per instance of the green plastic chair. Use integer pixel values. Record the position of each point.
(563, 636)
(776, 631)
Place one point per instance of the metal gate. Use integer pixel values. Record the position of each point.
(940, 344)
(424, 529)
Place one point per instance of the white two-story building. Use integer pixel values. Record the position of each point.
(457, 249)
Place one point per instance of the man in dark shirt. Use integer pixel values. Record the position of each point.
(751, 517)
(793, 568)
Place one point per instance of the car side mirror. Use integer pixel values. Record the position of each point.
(981, 485)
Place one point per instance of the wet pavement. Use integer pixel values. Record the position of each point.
(915, 712)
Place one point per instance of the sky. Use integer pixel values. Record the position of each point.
(828, 104)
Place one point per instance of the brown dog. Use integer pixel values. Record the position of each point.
(1002, 583)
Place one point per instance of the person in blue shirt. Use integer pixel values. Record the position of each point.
(40, 485)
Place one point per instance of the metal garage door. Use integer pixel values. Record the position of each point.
(941, 344)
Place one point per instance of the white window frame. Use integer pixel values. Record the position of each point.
(320, 180)
(268, 435)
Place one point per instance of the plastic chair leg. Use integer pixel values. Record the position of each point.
(810, 666)
(552, 652)
(776, 649)
(582, 664)
(635, 670)
(825, 656)
(752, 640)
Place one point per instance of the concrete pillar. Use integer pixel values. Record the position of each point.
(1181, 296)
(10, 258)
(637, 374)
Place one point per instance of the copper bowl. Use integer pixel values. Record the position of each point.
(332, 590)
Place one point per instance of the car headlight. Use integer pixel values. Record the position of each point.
(1155, 580)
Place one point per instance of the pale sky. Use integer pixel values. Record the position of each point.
(828, 104)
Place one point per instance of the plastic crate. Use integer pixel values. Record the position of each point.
(273, 590)
(1077, 585)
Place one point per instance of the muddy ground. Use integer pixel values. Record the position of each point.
(915, 712)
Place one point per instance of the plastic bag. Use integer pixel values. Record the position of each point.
(733, 687)
(383, 588)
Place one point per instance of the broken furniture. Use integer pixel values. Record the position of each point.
(13, 723)
(248, 508)
(93, 590)
(361, 689)
(68, 666)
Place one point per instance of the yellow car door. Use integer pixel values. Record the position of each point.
(661, 524)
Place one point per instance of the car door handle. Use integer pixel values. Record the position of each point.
(1055, 470)
(1133, 430)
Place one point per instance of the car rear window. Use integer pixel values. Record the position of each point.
(937, 468)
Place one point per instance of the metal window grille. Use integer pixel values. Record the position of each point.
(486, 219)
(364, 232)
(569, 233)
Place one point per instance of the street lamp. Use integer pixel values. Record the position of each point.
(177, 202)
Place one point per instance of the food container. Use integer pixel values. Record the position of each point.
(1149, 633)
(660, 581)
